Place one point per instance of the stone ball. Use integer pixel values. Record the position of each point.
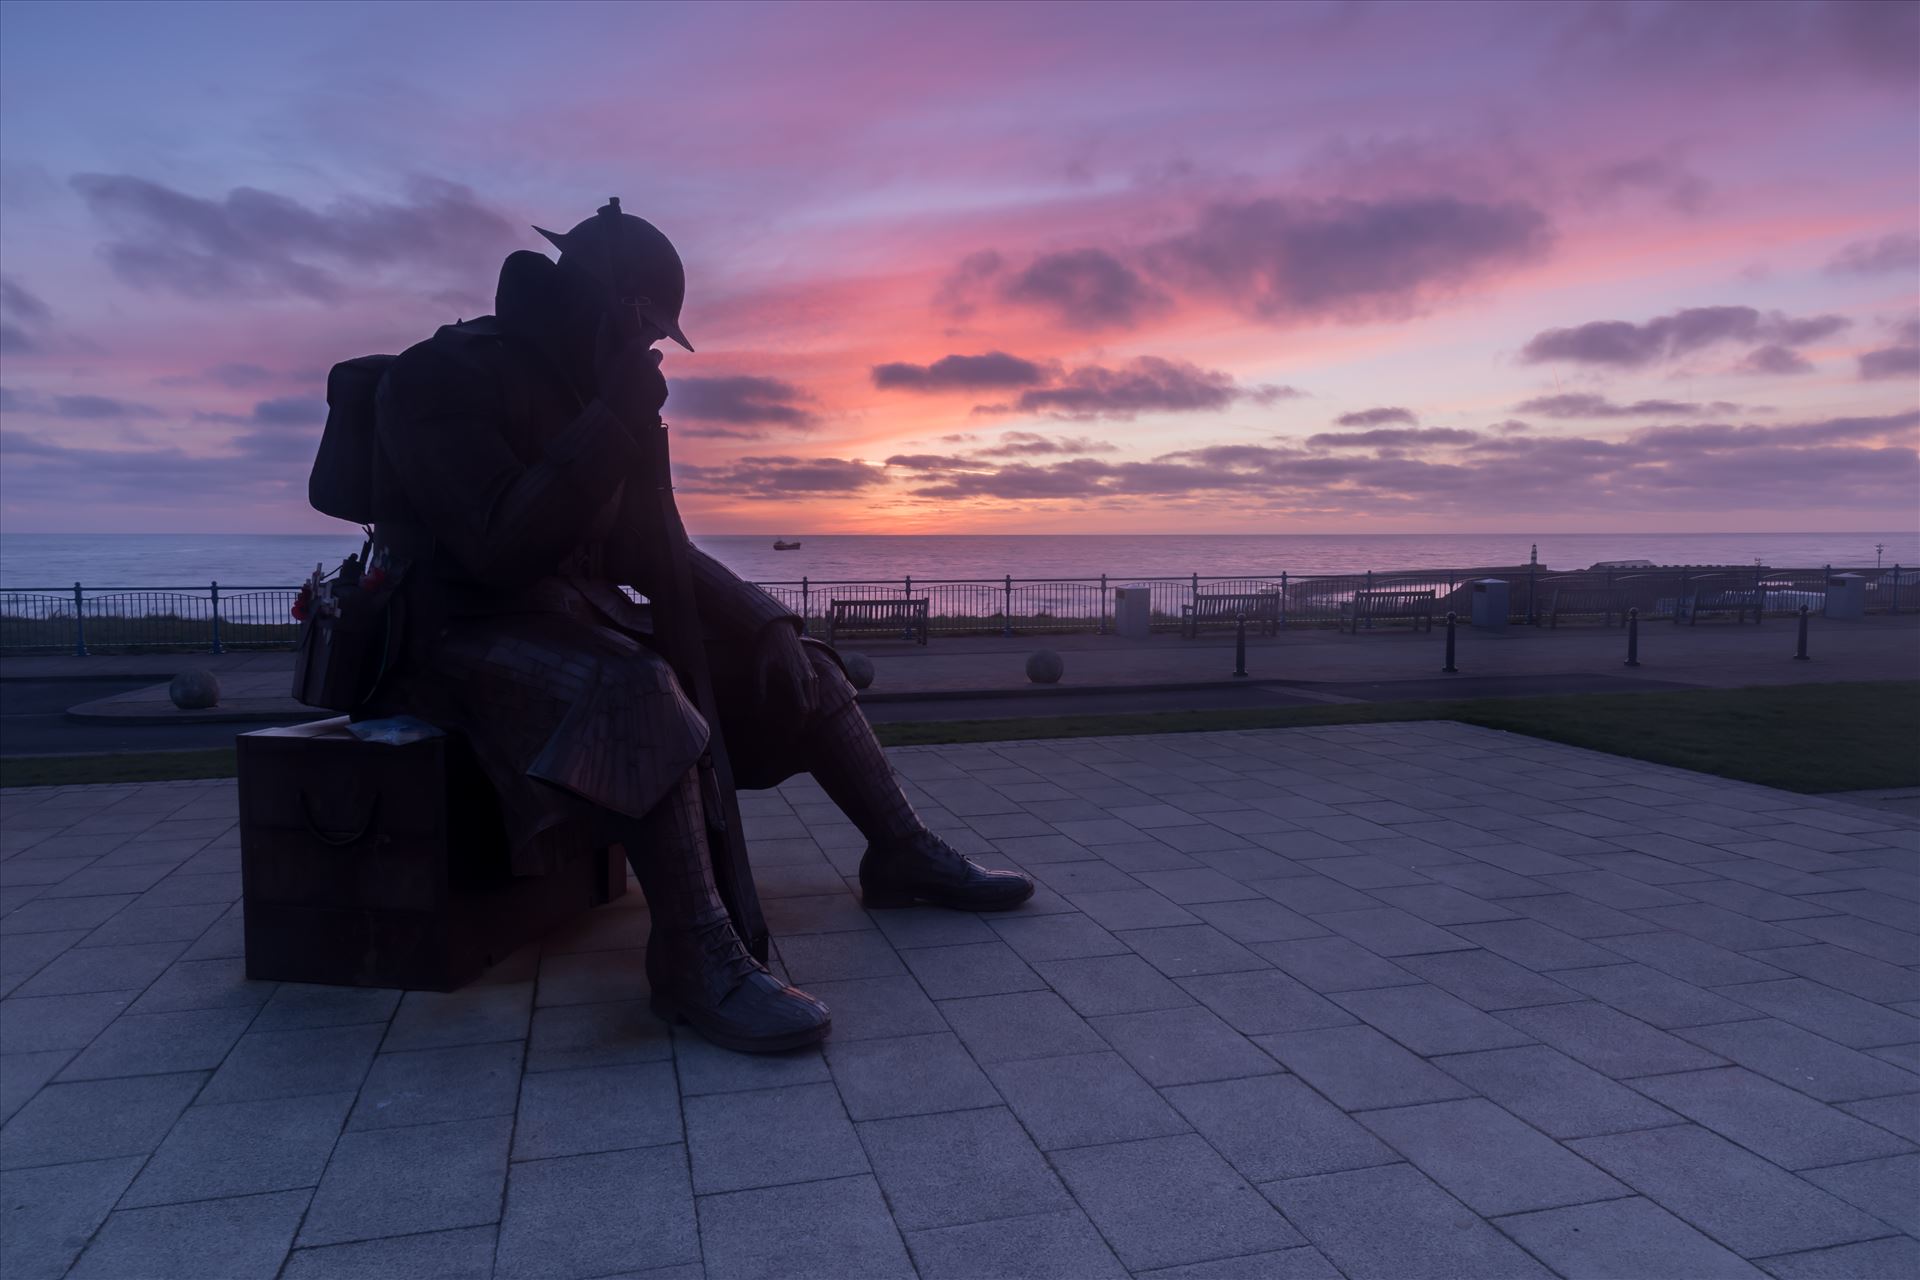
(1044, 666)
(859, 669)
(194, 690)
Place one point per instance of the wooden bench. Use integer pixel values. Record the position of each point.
(1737, 602)
(907, 618)
(1588, 600)
(1262, 607)
(369, 865)
(1370, 605)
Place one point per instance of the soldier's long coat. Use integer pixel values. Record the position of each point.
(502, 489)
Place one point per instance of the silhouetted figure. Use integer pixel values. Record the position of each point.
(521, 477)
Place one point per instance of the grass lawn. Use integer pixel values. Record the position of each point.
(1809, 738)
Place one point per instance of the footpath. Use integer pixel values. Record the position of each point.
(1315, 664)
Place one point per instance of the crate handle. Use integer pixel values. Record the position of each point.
(306, 811)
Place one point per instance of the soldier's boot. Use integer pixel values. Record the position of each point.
(904, 863)
(700, 971)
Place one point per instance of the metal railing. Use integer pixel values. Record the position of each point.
(218, 618)
(82, 620)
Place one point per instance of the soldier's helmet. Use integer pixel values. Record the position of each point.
(632, 259)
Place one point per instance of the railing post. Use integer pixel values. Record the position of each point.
(1894, 599)
(1800, 655)
(1826, 585)
(1450, 669)
(1103, 604)
(1533, 618)
(1240, 646)
(1633, 637)
(79, 623)
(1283, 599)
(806, 604)
(1006, 608)
(1680, 597)
(1195, 598)
(215, 595)
(1356, 606)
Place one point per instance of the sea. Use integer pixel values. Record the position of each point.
(57, 561)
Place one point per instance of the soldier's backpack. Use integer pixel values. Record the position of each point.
(342, 481)
(350, 621)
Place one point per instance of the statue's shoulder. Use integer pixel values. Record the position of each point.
(454, 364)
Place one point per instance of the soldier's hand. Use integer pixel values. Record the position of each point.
(627, 371)
(781, 669)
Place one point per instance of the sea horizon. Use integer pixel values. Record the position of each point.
(56, 561)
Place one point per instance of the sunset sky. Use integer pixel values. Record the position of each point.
(1002, 268)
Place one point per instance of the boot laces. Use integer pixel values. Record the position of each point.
(943, 854)
(723, 946)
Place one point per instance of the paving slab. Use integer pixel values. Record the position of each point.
(1395, 1221)
(1041, 1244)
(1084, 1100)
(1497, 953)
(1750, 1206)
(247, 1235)
(1894, 1258)
(1788, 1128)
(588, 1215)
(1489, 1160)
(1631, 1237)
(1166, 1201)
(960, 1167)
(1272, 1127)
(466, 1254)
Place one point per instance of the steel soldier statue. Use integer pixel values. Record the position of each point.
(521, 472)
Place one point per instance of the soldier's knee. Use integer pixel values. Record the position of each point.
(834, 688)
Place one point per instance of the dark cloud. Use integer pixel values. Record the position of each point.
(1392, 437)
(1716, 437)
(1896, 251)
(1628, 345)
(1273, 393)
(290, 411)
(1147, 384)
(959, 294)
(937, 462)
(1585, 405)
(1085, 289)
(1348, 259)
(1774, 358)
(1376, 417)
(22, 303)
(1890, 362)
(1701, 467)
(1672, 182)
(779, 476)
(740, 401)
(256, 242)
(24, 318)
(81, 408)
(993, 370)
(1016, 444)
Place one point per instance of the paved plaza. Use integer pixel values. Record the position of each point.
(1389, 1001)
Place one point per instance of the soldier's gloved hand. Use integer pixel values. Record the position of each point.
(782, 669)
(627, 370)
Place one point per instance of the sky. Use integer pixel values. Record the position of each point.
(985, 268)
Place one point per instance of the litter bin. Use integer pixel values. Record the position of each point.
(1846, 596)
(1490, 599)
(1133, 612)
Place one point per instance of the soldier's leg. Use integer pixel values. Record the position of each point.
(698, 968)
(904, 861)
